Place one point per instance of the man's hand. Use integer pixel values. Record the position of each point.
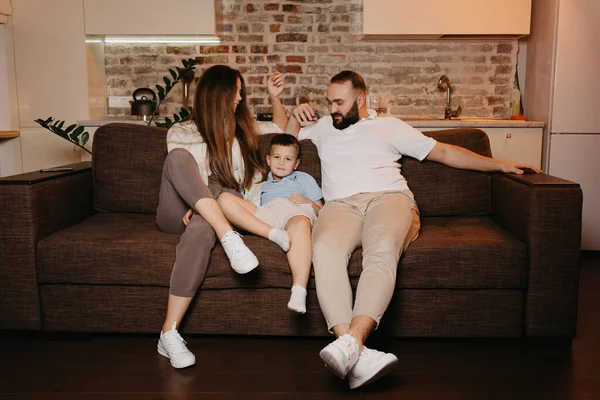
(275, 84)
(188, 216)
(299, 199)
(304, 113)
(517, 168)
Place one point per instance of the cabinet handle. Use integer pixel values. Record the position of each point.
(509, 135)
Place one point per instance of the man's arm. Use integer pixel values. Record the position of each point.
(275, 87)
(302, 113)
(457, 157)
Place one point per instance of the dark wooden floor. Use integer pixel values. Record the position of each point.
(267, 368)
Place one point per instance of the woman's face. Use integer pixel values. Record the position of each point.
(238, 94)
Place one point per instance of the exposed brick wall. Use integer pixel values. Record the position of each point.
(310, 41)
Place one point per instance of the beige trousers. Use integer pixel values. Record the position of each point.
(384, 224)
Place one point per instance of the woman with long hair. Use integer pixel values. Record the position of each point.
(216, 151)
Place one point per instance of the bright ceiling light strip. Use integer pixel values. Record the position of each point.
(163, 39)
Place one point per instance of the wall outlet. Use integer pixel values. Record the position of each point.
(119, 101)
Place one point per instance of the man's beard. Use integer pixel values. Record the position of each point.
(345, 121)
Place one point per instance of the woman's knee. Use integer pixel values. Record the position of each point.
(178, 157)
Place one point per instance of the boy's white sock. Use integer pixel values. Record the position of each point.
(297, 301)
(282, 238)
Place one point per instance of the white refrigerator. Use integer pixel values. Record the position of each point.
(563, 89)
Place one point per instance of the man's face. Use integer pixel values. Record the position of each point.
(342, 99)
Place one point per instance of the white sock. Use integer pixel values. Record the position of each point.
(297, 301)
(282, 238)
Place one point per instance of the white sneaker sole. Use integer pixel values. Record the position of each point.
(174, 364)
(334, 359)
(385, 366)
(247, 269)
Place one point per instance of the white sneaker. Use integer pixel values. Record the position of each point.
(242, 260)
(341, 355)
(172, 346)
(371, 365)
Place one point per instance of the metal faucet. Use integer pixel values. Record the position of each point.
(444, 84)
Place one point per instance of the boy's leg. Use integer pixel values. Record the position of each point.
(300, 259)
(240, 213)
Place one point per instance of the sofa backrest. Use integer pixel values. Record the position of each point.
(127, 166)
(128, 161)
(443, 191)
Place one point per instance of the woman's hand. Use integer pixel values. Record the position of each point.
(275, 84)
(188, 216)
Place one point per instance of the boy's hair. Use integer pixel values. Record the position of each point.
(284, 139)
(357, 81)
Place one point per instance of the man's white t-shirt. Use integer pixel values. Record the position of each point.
(365, 156)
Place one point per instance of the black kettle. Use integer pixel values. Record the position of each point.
(143, 106)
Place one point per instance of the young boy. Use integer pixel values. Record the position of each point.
(289, 200)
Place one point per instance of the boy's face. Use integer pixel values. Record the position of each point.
(283, 160)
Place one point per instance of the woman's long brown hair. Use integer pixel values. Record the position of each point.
(218, 125)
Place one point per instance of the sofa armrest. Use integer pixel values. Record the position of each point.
(545, 213)
(32, 206)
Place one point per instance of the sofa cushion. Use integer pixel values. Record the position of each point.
(459, 253)
(443, 191)
(127, 167)
(128, 249)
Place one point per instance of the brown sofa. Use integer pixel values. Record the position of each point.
(79, 251)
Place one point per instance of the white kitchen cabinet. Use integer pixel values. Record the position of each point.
(149, 17)
(443, 19)
(516, 144)
(10, 157)
(50, 60)
(43, 149)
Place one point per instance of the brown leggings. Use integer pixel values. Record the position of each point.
(180, 188)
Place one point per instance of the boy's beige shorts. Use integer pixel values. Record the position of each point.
(278, 212)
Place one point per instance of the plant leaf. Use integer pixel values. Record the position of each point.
(78, 131)
(184, 113)
(85, 137)
(173, 74)
(161, 92)
(70, 128)
(167, 81)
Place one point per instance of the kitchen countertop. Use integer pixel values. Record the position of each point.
(415, 122)
(109, 120)
(471, 123)
(9, 134)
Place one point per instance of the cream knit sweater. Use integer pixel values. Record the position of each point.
(185, 135)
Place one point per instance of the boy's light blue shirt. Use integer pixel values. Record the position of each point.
(295, 183)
